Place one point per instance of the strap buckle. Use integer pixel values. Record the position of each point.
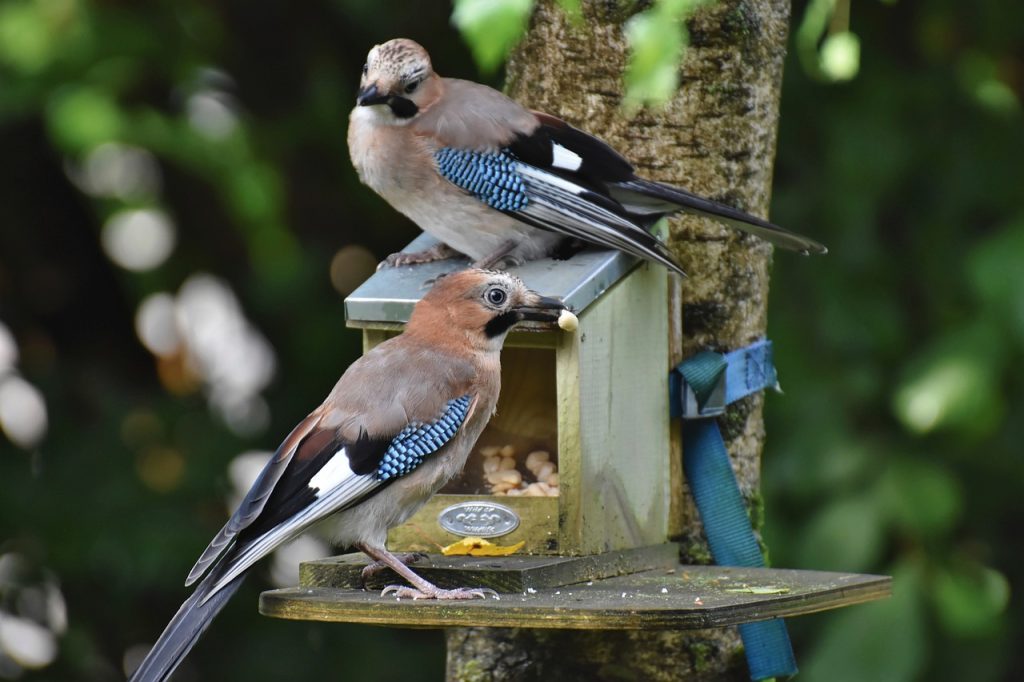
(702, 386)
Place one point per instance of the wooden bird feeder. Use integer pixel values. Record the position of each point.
(595, 401)
(595, 548)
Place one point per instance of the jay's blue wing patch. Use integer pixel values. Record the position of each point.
(489, 176)
(408, 449)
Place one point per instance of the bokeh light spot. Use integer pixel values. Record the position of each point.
(25, 40)
(942, 394)
(29, 644)
(140, 428)
(160, 468)
(138, 239)
(8, 349)
(82, 117)
(22, 412)
(351, 266)
(840, 56)
(118, 171)
(178, 375)
(156, 325)
(211, 115)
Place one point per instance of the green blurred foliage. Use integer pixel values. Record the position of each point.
(244, 108)
(657, 39)
(491, 28)
(895, 448)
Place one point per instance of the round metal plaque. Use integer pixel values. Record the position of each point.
(478, 519)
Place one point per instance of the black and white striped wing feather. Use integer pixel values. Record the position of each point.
(317, 475)
(553, 194)
(564, 206)
(560, 178)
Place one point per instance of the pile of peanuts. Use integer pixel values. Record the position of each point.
(504, 479)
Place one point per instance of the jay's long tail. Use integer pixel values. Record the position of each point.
(646, 197)
(184, 630)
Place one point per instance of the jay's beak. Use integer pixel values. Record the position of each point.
(369, 96)
(546, 309)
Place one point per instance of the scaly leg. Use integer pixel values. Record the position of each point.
(421, 589)
(377, 566)
(439, 251)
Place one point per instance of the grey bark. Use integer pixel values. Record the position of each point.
(717, 138)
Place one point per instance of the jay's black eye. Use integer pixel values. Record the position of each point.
(366, 68)
(411, 87)
(496, 296)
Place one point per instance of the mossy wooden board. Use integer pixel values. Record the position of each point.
(504, 574)
(686, 597)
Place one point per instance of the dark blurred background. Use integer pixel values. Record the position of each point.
(179, 223)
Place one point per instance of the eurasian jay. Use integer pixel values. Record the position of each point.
(503, 184)
(397, 426)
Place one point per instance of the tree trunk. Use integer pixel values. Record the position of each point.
(716, 138)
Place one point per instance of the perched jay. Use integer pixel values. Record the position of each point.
(503, 184)
(397, 426)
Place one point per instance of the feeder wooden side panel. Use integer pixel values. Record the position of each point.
(375, 337)
(613, 420)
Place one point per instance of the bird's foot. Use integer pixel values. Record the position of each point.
(503, 263)
(429, 282)
(433, 592)
(500, 259)
(376, 567)
(506, 263)
(436, 252)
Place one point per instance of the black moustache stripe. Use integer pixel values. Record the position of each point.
(402, 107)
(499, 324)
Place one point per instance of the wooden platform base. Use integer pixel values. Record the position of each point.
(517, 573)
(677, 597)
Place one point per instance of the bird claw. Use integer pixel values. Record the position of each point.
(413, 593)
(431, 281)
(499, 263)
(399, 259)
(434, 253)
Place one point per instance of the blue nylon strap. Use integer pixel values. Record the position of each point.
(713, 483)
(703, 385)
(749, 370)
(731, 538)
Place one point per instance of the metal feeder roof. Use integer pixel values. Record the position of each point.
(390, 294)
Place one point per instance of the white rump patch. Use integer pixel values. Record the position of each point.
(565, 158)
(335, 471)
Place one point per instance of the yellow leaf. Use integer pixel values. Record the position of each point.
(480, 547)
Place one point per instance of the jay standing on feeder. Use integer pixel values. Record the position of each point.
(503, 184)
(398, 425)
